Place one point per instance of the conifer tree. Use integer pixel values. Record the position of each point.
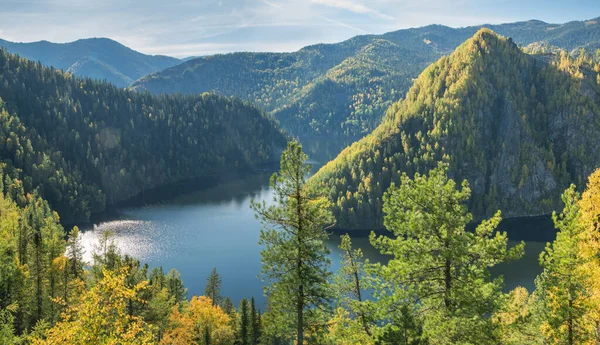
(213, 287)
(295, 263)
(244, 329)
(438, 267)
(254, 323)
(562, 287)
(175, 286)
(75, 252)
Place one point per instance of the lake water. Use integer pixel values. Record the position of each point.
(215, 227)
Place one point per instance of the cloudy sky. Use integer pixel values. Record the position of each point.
(198, 27)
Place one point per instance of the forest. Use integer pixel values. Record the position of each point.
(520, 128)
(83, 144)
(343, 89)
(435, 289)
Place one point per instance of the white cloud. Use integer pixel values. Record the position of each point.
(352, 7)
(198, 27)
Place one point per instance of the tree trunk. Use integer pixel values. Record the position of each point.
(300, 315)
(447, 283)
(38, 269)
(358, 294)
(300, 302)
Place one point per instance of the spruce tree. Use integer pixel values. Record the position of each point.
(213, 287)
(254, 323)
(243, 331)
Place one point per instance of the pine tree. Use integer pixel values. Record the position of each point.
(213, 287)
(438, 267)
(295, 261)
(350, 285)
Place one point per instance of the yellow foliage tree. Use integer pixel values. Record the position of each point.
(516, 320)
(344, 330)
(590, 220)
(101, 317)
(199, 323)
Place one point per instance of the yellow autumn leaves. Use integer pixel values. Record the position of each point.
(101, 317)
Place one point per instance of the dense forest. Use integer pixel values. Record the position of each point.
(98, 58)
(344, 88)
(519, 128)
(84, 144)
(435, 289)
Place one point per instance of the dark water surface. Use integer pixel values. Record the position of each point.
(215, 227)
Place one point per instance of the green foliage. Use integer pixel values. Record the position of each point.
(438, 267)
(473, 109)
(295, 264)
(86, 144)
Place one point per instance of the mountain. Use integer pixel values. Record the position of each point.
(344, 88)
(520, 128)
(85, 144)
(99, 58)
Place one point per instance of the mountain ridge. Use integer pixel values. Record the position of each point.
(84, 144)
(516, 127)
(280, 83)
(99, 57)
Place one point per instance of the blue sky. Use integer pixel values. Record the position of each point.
(197, 27)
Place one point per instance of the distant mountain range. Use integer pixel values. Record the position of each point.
(344, 88)
(340, 89)
(99, 58)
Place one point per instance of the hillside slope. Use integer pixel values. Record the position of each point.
(98, 58)
(516, 127)
(344, 88)
(87, 144)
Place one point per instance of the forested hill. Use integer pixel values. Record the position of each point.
(86, 144)
(520, 129)
(345, 88)
(99, 58)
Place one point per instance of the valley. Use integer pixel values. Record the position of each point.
(428, 185)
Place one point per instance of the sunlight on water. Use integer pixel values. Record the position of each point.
(136, 238)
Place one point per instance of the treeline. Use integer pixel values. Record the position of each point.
(520, 128)
(85, 144)
(343, 89)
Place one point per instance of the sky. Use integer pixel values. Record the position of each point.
(184, 28)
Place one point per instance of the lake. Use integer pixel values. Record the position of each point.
(214, 227)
